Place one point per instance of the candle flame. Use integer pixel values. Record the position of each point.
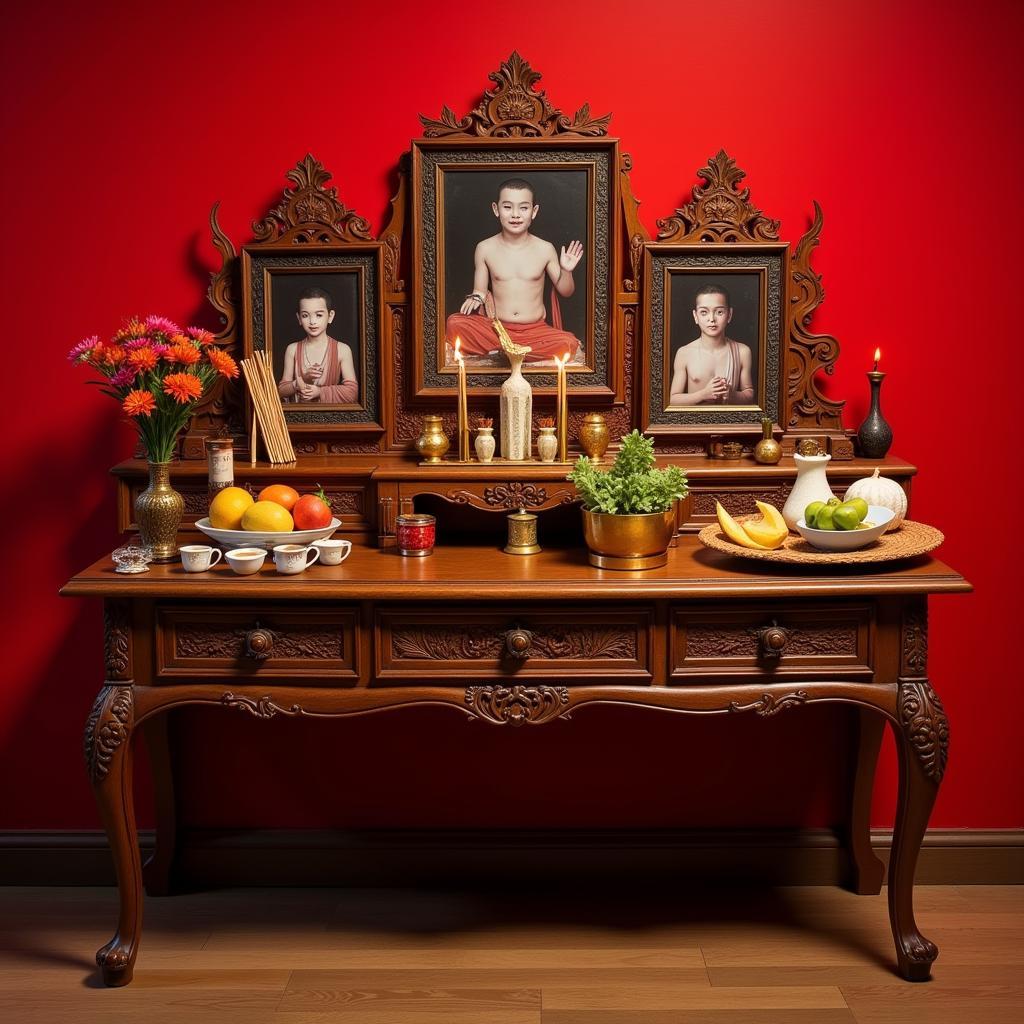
(565, 358)
(878, 354)
(458, 346)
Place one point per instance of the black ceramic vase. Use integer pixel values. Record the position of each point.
(875, 435)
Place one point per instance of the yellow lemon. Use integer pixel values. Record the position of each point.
(228, 507)
(267, 517)
(733, 530)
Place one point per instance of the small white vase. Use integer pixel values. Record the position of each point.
(547, 444)
(484, 443)
(516, 413)
(811, 485)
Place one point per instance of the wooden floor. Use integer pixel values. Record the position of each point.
(383, 956)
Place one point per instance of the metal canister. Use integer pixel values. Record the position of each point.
(220, 464)
(415, 532)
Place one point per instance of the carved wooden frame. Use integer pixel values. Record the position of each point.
(514, 125)
(662, 261)
(260, 263)
(721, 218)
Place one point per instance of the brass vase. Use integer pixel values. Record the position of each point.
(629, 541)
(433, 442)
(593, 436)
(158, 513)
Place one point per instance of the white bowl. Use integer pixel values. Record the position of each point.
(848, 540)
(245, 561)
(228, 539)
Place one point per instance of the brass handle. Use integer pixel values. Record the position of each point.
(517, 643)
(773, 641)
(259, 643)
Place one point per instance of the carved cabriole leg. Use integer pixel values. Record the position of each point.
(108, 742)
(922, 740)
(866, 870)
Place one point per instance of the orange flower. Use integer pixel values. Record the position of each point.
(132, 329)
(185, 353)
(222, 362)
(183, 387)
(138, 403)
(142, 358)
(113, 355)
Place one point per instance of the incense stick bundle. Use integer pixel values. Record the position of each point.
(266, 405)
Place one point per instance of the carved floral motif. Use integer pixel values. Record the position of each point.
(514, 110)
(735, 502)
(770, 704)
(264, 707)
(914, 641)
(926, 726)
(204, 640)
(117, 640)
(729, 641)
(517, 705)
(470, 643)
(108, 726)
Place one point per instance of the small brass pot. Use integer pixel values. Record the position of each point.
(593, 436)
(433, 442)
(630, 541)
(158, 513)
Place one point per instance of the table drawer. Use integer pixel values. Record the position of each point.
(714, 644)
(312, 644)
(525, 642)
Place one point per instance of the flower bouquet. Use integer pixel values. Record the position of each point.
(158, 372)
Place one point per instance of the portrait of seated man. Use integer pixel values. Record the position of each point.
(509, 273)
(712, 369)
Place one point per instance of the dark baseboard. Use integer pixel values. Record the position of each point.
(476, 857)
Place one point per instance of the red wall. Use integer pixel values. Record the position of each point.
(120, 128)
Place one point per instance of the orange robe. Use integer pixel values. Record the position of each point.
(335, 390)
(545, 340)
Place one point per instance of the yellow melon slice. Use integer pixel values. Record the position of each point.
(733, 530)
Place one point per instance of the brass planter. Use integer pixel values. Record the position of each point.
(630, 541)
(158, 513)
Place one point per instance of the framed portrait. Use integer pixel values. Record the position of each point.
(524, 233)
(713, 335)
(316, 313)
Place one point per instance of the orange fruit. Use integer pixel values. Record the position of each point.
(280, 494)
(227, 508)
(267, 517)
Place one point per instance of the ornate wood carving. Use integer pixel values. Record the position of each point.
(471, 643)
(738, 641)
(769, 704)
(518, 705)
(806, 407)
(924, 721)
(311, 213)
(117, 640)
(719, 211)
(514, 110)
(737, 502)
(108, 726)
(515, 495)
(264, 707)
(914, 640)
(204, 640)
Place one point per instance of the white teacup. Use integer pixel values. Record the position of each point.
(293, 558)
(199, 557)
(246, 561)
(333, 552)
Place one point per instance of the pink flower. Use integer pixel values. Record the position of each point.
(83, 348)
(200, 335)
(124, 377)
(161, 350)
(162, 324)
(133, 343)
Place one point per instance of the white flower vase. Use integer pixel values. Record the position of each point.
(811, 485)
(484, 443)
(547, 444)
(516, 413)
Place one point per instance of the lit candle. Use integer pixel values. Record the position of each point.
(463, 427)
(563, 409)
(878, 355)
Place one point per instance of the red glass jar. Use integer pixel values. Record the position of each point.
(415, 533)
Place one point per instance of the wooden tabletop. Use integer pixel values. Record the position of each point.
(487, 573)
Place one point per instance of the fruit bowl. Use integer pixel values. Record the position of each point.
(849, 540)
(228, 539)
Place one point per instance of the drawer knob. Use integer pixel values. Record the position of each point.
(773, 641)
(259, 643)
(517, 643)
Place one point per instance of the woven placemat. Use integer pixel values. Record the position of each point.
(907, 541)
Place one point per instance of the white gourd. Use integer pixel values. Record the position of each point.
(877, 490)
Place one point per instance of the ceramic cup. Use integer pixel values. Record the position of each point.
(246, 561)
(199, 557)
(333, 552)
(293, 558)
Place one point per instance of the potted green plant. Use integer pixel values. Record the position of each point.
(629, 510)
